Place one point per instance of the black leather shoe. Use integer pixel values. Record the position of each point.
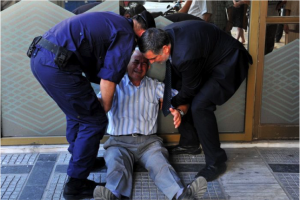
(79, 189)
(185, 150)
(99, 163)
(212, 172)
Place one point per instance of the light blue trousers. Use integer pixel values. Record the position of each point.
(123, 151)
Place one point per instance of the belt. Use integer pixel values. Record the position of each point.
(48, 45)
(62, 55)
(132, 135)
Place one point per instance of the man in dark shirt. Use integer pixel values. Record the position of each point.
(101, 44)
(209, 65)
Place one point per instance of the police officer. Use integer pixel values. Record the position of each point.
(99, 44)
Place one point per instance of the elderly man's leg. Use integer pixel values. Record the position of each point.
(155, 159)
(119, 162)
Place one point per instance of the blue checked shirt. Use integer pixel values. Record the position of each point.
(135, 108)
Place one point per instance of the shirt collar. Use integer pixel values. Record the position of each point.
(128, 82)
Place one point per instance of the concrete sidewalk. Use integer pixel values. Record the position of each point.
(257, 172)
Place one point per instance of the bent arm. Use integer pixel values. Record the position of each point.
(186, 7)
(107, 89)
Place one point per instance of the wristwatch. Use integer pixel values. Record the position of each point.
(180, 112)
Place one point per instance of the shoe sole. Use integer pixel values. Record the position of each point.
(102, 193)
(198, 187)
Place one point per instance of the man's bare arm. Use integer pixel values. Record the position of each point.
(107, 89)
(186, 7)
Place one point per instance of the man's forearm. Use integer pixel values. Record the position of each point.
(206, 17)
(186, 7)
(107, 89)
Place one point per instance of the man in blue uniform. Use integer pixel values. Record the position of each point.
(209, 65)
(100, 45)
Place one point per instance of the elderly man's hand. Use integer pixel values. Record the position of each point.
(176, 117)
(160, 103)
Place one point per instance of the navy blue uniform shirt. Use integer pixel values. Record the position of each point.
(102, 42)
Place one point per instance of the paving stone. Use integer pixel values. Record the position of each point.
(47, 157)
(40, 174)
(32, 193)
(286, 168)
(280, 155)
(18, 159)
(12, 185)
(22, 169)
(186, 158)
(144, 188)
(290, 182)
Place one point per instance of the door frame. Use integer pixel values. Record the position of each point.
(269, 131)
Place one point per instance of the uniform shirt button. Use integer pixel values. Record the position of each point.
(80, 33)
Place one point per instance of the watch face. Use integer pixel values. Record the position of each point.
(181, 112)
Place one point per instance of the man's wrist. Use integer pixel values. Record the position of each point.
(180, 112)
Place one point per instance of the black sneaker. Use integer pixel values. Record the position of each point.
(185, 150)
(212, 172)
(79, 189)
(102, 193)
(195, 190)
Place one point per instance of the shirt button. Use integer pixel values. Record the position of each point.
(78, 116)
(100, 57)
(80, 33)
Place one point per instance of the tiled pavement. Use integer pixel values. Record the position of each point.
(252, 173)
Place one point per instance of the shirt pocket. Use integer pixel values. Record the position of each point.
(151, 104)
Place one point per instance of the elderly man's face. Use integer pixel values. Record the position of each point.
(137, 67)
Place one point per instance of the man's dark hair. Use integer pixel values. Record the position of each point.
(153, 39)
(135, 10)
(145, 19)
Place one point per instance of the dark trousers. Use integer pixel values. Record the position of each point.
(270, 38)
(224, 81)
(86, 119)
(279, 32)
(188, 132)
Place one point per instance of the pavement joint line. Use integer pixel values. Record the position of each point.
(64, 148)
